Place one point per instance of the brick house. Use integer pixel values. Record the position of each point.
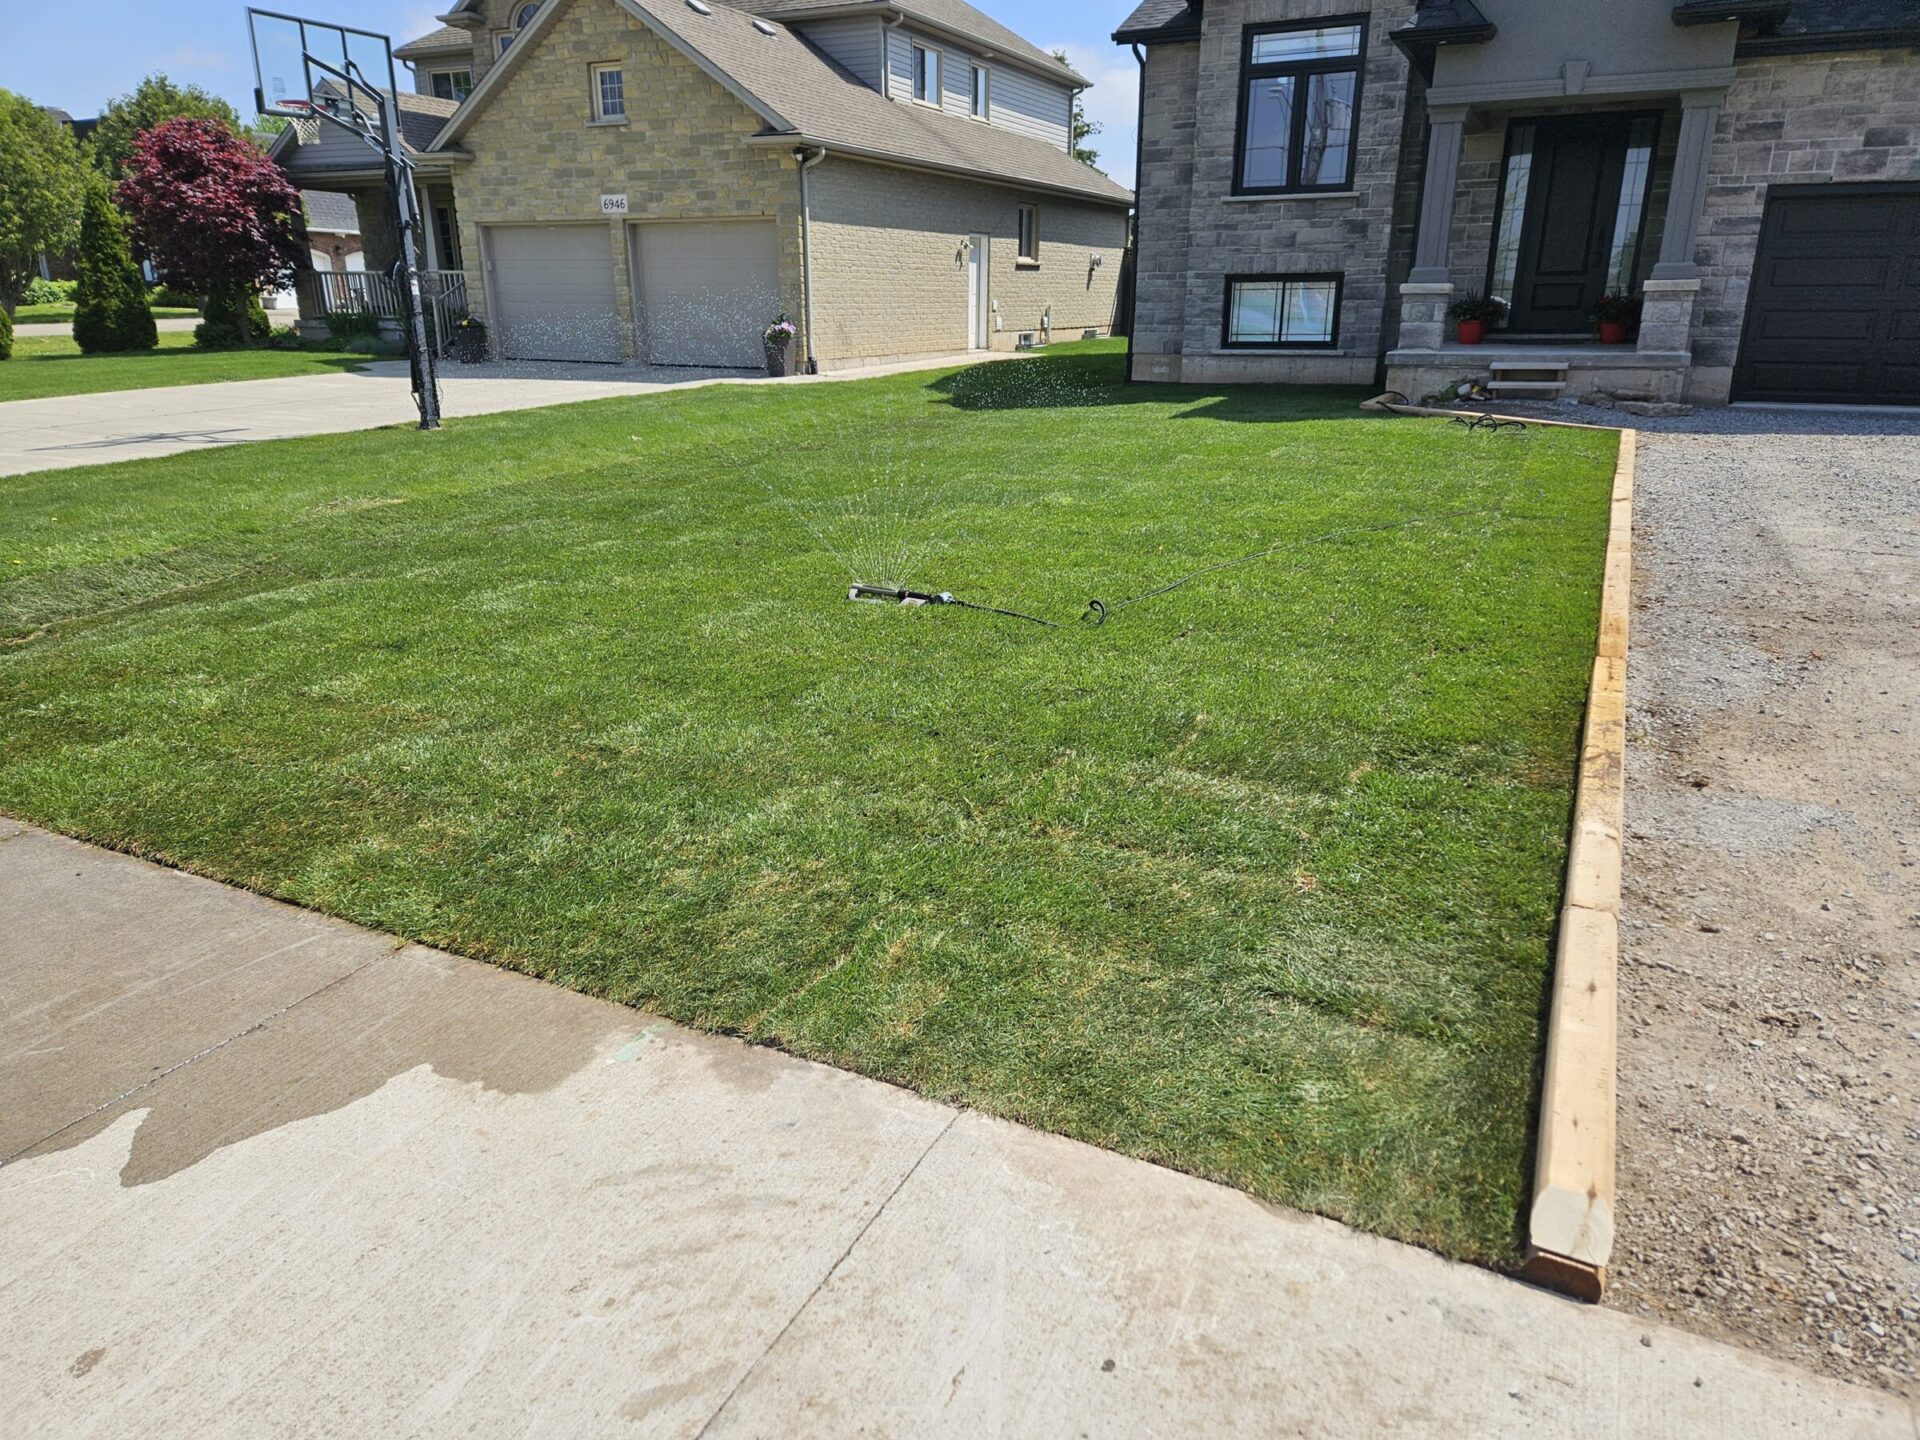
(1321, 179)
(656, 180)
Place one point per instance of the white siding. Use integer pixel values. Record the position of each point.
(854, 42)
(1018, 101)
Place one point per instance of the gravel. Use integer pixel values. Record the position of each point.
(1769, 1176)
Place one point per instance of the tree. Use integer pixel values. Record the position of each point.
(42, 191)
(110, 301)
(154, 102)
(213, 212)
(1080, 128)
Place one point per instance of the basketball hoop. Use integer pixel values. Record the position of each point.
(302, 121)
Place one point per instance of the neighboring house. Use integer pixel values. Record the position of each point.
(1319, 180)
(333, 231)
(657, 180)
(61, 266)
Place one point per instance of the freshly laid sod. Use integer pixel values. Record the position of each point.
(44, 365)
(48, 314)
(1257, 879)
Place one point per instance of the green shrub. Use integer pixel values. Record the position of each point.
(110, 300)
(42, 292)
(220, 330)
(351, 324)
(6, 335)
(165, 294)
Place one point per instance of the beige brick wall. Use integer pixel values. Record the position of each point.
(683, 155)
(890, 274)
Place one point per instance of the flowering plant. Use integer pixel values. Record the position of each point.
(780, 332)
(1617, 310)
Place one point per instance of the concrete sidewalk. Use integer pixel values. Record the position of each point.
(268, 1174)
(68, 430)
(55, 329)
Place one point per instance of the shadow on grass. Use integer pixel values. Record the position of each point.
(1098, 381)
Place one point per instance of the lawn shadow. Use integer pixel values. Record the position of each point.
(1098, 381)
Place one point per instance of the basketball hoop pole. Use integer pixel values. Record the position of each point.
(398, 171)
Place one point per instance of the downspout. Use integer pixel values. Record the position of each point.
(1139, 214)
(888, 24)
(806, 160)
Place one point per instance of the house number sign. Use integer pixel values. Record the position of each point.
(613, 204)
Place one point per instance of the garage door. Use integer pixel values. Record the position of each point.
(707, 292)
(1834, 316)
(553, 292)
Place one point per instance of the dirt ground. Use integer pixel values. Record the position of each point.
(1769, 1185)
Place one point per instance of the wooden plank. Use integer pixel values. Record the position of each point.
(1571, 1222)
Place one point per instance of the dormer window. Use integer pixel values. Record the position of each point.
(926, 75)
(450, 84)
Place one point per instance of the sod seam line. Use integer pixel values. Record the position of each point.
(1571, 1223)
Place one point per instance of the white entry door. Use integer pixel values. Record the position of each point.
(552, 292)
(708, 291)
(979, 321)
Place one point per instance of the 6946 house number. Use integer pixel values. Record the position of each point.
(613, 204)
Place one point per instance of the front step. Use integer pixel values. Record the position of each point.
(1533, 379)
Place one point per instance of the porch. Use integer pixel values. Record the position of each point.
(366, 292)
(1549, 205)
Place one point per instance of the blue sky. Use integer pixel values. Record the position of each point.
(80, 55)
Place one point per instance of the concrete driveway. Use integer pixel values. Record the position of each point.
(70, 430)
(269, 1174)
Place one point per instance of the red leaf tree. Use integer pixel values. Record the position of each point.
(213, 212)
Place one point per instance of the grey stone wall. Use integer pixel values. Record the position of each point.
(1166, 210)
(1794, 120)
(1351, 233)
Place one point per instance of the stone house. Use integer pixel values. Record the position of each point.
(1320, 180)
(654, 181)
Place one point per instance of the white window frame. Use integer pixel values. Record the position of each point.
(598, 94)
(924, 74)
(1026, 229)
(467, 89)
(980, 98)
(524, 15)
(501, 40)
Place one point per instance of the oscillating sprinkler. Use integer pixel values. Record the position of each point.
(898, 595)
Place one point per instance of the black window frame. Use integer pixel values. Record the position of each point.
(1227, 342)
(1300, 70)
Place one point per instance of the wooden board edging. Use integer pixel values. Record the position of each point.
(1571, 1223)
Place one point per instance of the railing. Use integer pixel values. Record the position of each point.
(368, 292)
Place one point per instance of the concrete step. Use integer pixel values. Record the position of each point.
(1526, 387)
(1528, 367)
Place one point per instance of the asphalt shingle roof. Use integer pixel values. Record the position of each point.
(815, 100)
(1161, 20)
(329, 212)
(445, 40)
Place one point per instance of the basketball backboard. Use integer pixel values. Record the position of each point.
(303, 66)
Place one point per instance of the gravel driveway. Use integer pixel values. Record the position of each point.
(1770, 984)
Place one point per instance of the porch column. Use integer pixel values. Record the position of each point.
(430, 232)
(1666, 315)
(1447, 128)
(1699, 117)
(1429, 288)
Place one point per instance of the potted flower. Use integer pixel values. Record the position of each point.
(778, 339)
(469, 340)
(1616, 315)
(1473, 313)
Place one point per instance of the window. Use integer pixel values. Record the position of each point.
(524, 15)
(502, 39)
(449, 236)
(1029, 250)
(1265, 311)
(450, 84)
(1299, 107)
(609, 92)
(978, 108)
(926, 75)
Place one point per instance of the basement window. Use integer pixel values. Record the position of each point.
(609, 93)
(926, 75)
(1265, 312)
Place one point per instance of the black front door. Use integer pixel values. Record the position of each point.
(1566, 235)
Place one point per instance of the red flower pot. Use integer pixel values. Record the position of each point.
(1613, 332)
(1472, 332)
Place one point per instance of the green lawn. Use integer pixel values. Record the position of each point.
(1258, 879)
(48, 314)
(53, 365)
